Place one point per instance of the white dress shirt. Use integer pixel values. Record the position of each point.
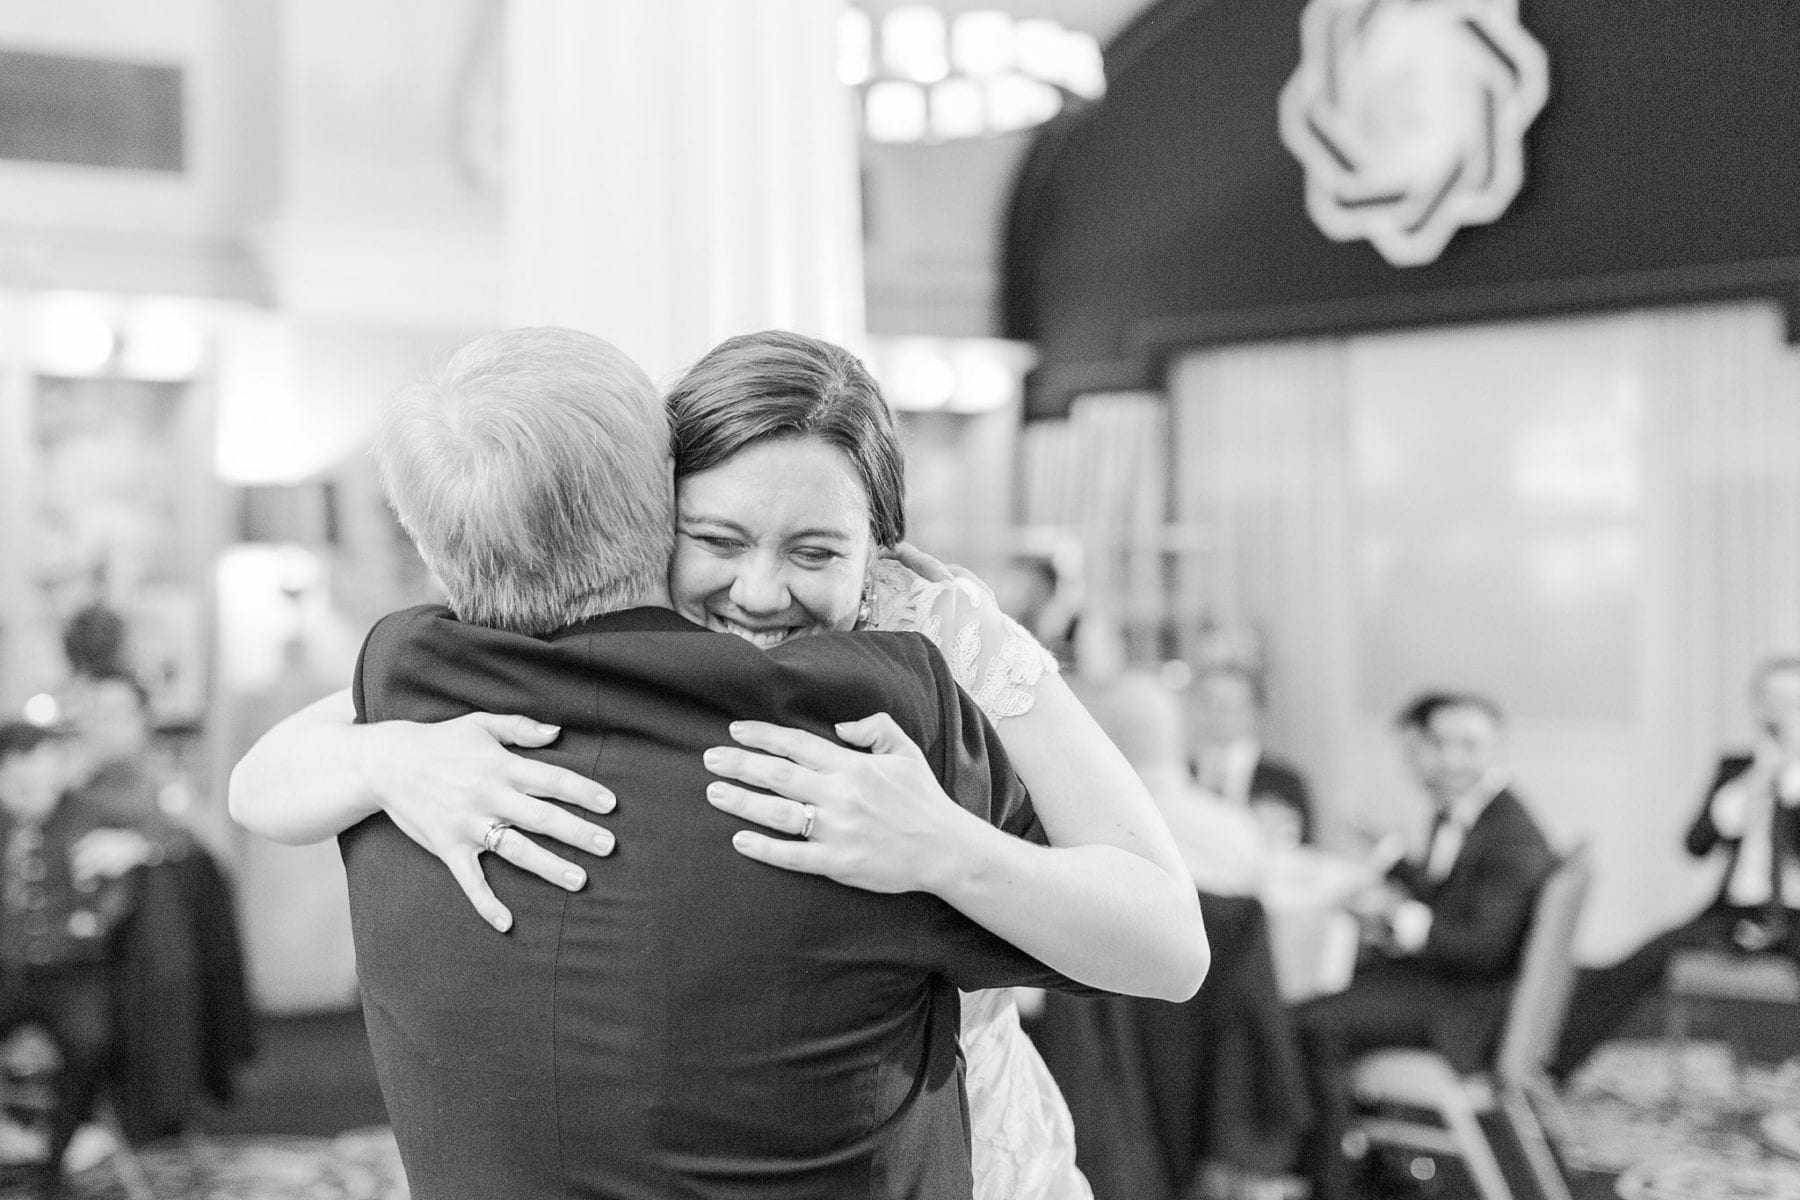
(1744, 812)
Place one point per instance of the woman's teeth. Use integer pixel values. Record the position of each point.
(760, 638)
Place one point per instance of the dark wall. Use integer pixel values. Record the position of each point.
(1665, 167)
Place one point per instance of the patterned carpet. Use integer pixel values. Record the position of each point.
(1732, 1136)
(360, 1165)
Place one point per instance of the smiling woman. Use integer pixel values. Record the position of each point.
(789, 480)
(773, 543)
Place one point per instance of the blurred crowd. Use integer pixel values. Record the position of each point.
(122, 989)
(1408, 938)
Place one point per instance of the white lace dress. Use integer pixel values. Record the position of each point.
(1022, 1137)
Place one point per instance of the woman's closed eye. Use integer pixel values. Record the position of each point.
(815, 556)
(718, 543)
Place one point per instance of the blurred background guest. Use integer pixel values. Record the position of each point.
(63, 897)
(1230, 761)
(1750, 818)
(1205, 1098)
(1444, 929)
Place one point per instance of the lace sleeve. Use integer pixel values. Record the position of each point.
(991, 655)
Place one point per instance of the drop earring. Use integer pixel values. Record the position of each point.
(866, 609)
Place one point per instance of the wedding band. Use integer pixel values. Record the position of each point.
(490, 841)
(806, 821)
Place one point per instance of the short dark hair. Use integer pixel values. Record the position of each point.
(93, 641)
(777, 384)
(22, 737)
(1418, 713)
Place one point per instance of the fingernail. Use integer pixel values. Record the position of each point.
(573, 879)
(715, 791)
(740, 839)
(502, 921)
(548, 730)
(605, 801)
(603, 843)
(714, 758)
(735, 728)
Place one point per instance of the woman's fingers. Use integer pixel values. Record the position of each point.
(514, 730)
(542, 817)
(527, 855)
(881, 734)
(774, 812)
(536, 778)
(922, 564)
(808, 749)
(465, 867)
(805, 857)
(767, 772)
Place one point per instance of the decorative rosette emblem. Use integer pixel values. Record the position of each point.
(1410, 116)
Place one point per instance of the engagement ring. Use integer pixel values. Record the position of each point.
(490, 841)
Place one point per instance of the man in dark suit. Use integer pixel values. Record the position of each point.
(1446, 932)
(1230, 761)
(693, 1023)
(1751, 813)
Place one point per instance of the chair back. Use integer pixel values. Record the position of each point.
(1540, 998)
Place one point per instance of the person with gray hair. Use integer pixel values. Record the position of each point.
(688, 1067)
(534, 505)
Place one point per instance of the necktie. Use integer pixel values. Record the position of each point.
(1440, 821)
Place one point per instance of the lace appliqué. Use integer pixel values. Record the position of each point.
(1021, 1135)
(991, 655)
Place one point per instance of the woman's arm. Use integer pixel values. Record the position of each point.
(1109, 903)
(1107, 911)
(317, 773)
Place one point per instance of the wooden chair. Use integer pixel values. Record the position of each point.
(1516, 1089)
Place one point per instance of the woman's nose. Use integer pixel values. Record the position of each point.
(758, 587)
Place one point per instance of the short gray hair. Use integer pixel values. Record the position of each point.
(533, 473)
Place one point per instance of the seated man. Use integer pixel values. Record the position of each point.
(62, 897)
(692, 1023)
(1230, 762)
(1446, 931)
(1750, 817)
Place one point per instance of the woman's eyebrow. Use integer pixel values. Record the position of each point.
(702, 518)
(829, 533)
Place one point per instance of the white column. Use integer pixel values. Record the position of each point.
(679, 171)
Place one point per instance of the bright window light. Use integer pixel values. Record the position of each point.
(981, 42)
(1018, 102)
(958, 109)
(856, 47)
(72, 334)
(894, 111)
(913, 43)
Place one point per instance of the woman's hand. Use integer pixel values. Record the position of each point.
(879, 820)
(446, 784)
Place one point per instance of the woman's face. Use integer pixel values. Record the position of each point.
(772, 543)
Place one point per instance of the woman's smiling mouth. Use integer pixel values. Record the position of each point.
(762, 638)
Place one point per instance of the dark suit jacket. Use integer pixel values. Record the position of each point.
(1274, 781)
(1703, 837)
(1481, 912)
(692, 1023)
